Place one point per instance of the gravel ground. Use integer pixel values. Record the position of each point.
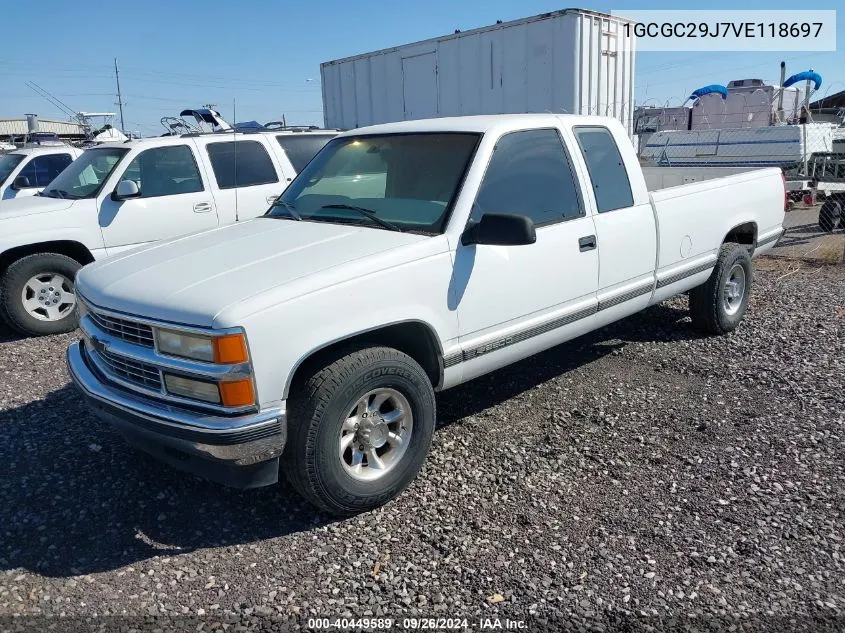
(637, 475)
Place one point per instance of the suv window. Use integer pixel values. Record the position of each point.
(302, 148)
(529, 174)
(41, 170)
(165, 171)
(241, 164)
(8, 162)
(607, 171)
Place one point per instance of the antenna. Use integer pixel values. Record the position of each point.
(235, 156)
(119, 100)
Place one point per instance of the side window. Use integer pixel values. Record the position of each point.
(165, 171)
(607, 171)
(241, 164)
(529, 174)
(302, 148)
(42, 169)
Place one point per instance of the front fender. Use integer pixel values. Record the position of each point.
(283, 336)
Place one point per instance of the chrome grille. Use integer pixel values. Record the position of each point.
(131, 370)
(130, 331)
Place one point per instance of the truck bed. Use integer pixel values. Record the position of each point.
(685, 213)
(665, 177)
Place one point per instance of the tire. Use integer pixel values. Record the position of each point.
(713, 310)
(51, 273)
(323, 412)
(830, 215)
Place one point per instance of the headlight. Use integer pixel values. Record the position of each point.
(196, 389)
(234, 393)
(227, 349)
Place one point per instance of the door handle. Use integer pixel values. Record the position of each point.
(587, 243)
(202, 207)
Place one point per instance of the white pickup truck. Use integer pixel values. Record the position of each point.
(25, 172)
(405, 259)
(119, 196)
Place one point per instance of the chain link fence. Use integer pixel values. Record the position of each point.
(809, 147)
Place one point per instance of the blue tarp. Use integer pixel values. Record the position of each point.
(807, 75)
(706, 90)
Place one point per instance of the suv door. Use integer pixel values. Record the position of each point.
(172, 200)
(247, 178)
(507, 296)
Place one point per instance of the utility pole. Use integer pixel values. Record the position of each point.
(119, 99)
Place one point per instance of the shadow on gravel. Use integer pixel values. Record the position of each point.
(75, 499)
(7, 335)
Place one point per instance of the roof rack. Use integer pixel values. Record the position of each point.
(276, 126)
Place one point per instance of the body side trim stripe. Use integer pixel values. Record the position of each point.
(468, 354)
(675, 277)
(771, 238)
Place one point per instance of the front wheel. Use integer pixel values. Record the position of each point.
(359, 430)
(718, 305)
(37, 294)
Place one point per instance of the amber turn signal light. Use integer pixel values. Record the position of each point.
(230, 349)
(237, 393)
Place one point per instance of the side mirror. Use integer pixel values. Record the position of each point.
(126, 189)
(21, 182)
(501, 229)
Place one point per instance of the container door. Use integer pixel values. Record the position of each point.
(419, 86)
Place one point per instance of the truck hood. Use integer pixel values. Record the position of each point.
(30, 205)
(190, 280)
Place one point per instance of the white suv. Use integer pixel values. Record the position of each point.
(120, 196)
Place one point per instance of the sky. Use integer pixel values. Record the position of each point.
(260, 59)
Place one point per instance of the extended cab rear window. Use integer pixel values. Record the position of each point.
(241, 164)
(302, 148)
(607, 171)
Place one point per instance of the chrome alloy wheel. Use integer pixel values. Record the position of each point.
(48, 297)
(376, 434)
(734, 290)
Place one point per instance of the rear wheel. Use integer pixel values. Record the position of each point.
(37, 294)
(830, 215)
(359, 430)
(718, 305)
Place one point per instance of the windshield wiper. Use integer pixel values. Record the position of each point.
(278, 202)
(366, 212)
(62, 193)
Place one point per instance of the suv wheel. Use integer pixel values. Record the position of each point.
(36, 294)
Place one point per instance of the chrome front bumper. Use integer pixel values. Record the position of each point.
(241, 451)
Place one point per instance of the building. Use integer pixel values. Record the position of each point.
(12, 129)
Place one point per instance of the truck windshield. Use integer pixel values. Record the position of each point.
(8, 162)
(405, 182)
(85, 176)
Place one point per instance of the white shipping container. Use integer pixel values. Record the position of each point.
(570, 61)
